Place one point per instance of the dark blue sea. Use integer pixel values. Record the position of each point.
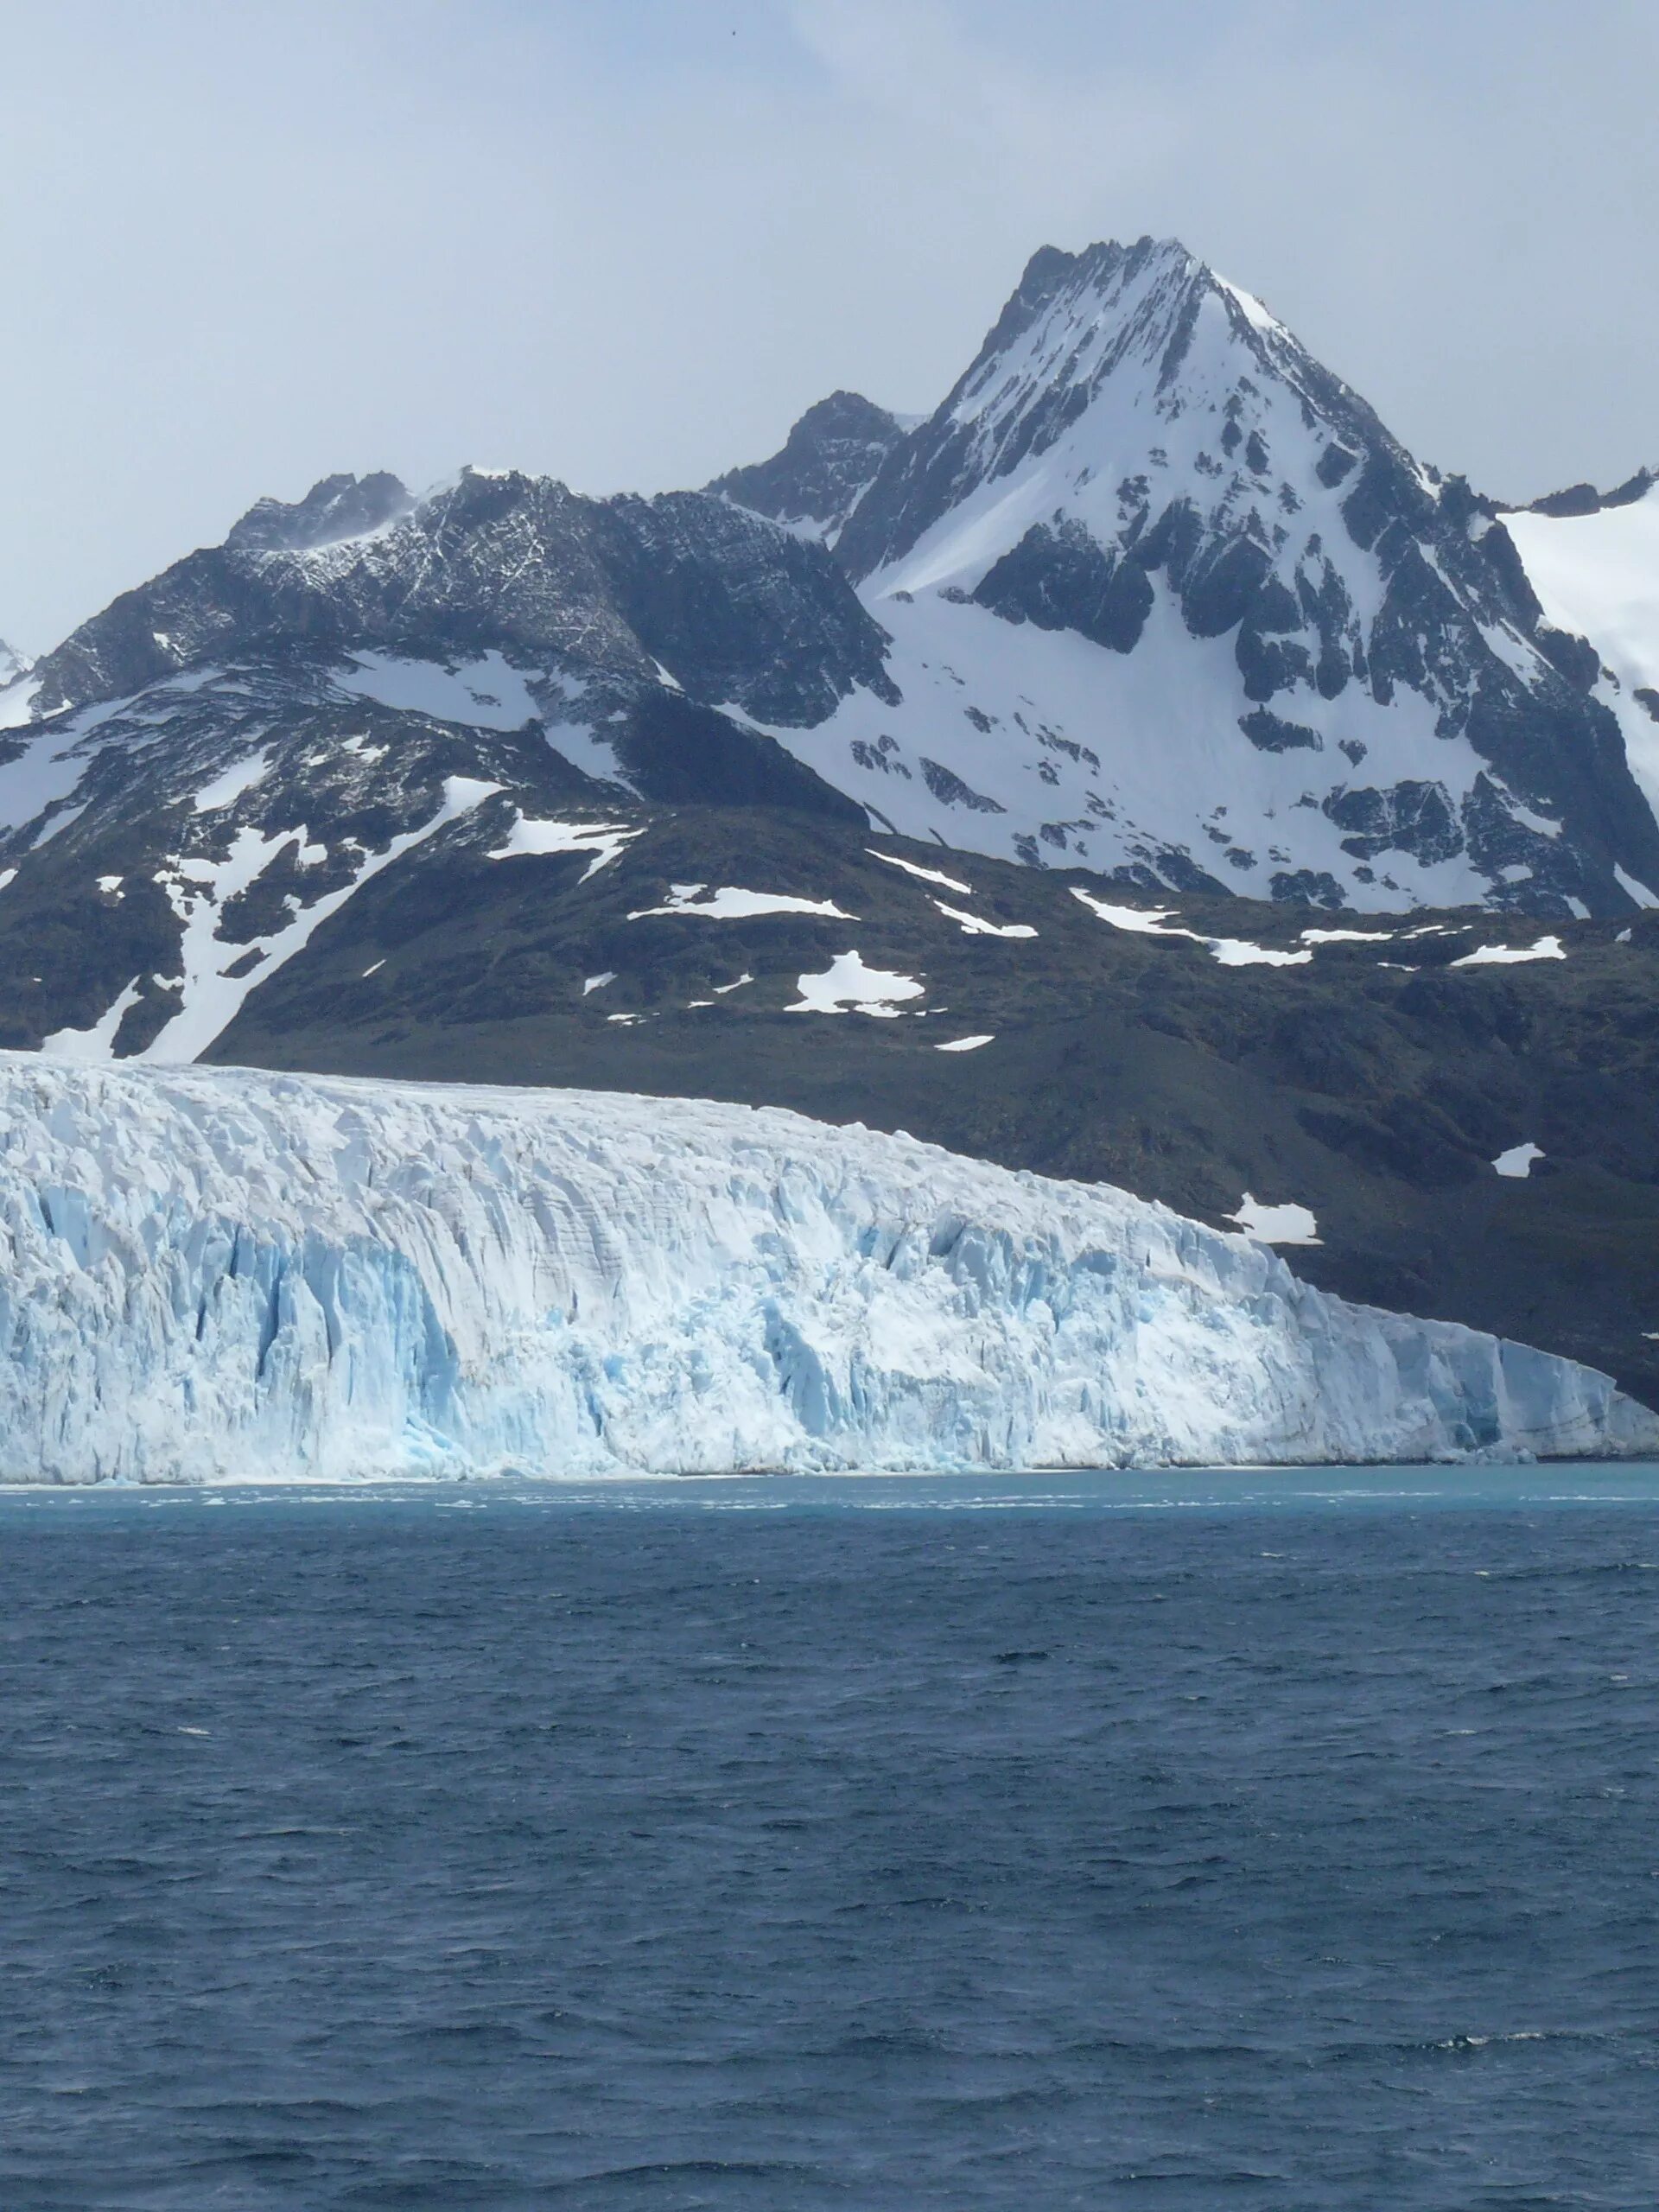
(1186, 1844)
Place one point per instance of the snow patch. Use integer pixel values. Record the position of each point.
(1517, 1160)
(730, 904)
(199, 890)
(974, 925)
(226, 788)
(924, 875)
(96, 1043)
(966, 1044)
(598, 983)
(605, 841)
(848, 986)
(1230, 951)
(1495, 955)
(1282, 1224)
(485, 693)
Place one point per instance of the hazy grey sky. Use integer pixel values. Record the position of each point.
(244, 243)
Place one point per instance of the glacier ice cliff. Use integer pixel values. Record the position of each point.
(217, 1273)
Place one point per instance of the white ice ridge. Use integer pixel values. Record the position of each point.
(213, 1274)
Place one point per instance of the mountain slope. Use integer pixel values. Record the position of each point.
(1593, 563)
(222, 1274)
(1167, 598)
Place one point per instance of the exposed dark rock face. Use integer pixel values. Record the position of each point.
(824, 468)
(338, 508)
(1584, 499)
(737, 611)
(1061, 579)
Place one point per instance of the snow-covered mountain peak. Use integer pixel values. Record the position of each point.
(1247, 572)
(1113, 375)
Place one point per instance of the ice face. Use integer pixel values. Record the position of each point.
(217, 1273)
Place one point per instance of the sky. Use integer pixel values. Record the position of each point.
(626, 244)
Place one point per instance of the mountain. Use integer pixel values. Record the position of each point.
(827, 464)
(995, 785)
(12, 665)
(215, 1275)
(1167, 598)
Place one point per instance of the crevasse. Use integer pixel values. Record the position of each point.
(214, 1275)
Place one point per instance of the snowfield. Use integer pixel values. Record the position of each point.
(220, 1274)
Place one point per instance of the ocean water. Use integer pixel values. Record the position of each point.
(1176, 1842)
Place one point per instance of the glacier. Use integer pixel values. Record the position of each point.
(217, 1274)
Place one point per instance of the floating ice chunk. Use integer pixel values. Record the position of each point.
(227, 787)
(1494, 956)
(606, 841)
(848, 986)
(966, 1044)
(1517, 1160)
(598, 983)
(973, 926)
(730, 904)
(1284, 1224)
(924, 875)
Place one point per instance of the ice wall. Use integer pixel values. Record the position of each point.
(210, 1274)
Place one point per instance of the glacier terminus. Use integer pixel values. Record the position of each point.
(214, 1275)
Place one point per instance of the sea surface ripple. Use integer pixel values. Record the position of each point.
(482, 1849)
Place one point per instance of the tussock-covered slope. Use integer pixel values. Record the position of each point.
(219, 1273)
